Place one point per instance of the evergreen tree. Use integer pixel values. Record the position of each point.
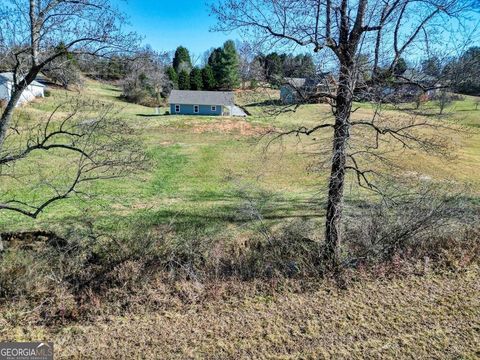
(273, 67)
(181, 60)
(184, 80)
(225, 66)
(400, 67)
(196, 81)
(230, 68)
(215, 63)
(307, 66)
(208, 78)
(172, 76)
(432, 66)
(464, 73)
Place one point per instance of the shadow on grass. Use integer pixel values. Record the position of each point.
(215, 212)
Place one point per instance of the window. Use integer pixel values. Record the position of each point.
(214, 108)
(177, 108)
(196, 109)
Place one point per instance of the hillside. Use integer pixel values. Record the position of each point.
(204, 165)
(211, 251)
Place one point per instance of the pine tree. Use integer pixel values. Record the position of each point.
(225, 66)
(208, 78)
(215, 63)
(172, 76)
(196, 81)
(181, 60)
(230, 69)
(273, 67)
(308, 66)
(184, 80)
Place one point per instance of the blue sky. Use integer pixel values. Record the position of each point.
(166, 24)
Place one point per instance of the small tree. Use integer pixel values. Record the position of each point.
(443, 100)
(184, 80)
(63, 71)
(420, 98)
(146, 80)
(273, 68)
(196, 80)
(432, 66)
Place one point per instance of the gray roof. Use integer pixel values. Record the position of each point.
(194, 97)
(307, 83)
(8, 76)
(295, 82)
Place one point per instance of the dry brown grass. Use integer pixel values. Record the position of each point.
(428, 317)
(227, 126)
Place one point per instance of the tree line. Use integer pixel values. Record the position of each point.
(221, 71)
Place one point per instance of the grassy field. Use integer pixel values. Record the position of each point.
(214, 180)
(205, 168)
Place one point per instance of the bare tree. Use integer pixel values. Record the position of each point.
(36, 33)
(146, 81)
(443, 99)
(79, 142)
(384, 28)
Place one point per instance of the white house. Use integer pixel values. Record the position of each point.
(35, 89)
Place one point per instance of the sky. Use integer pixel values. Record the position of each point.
(166, 24)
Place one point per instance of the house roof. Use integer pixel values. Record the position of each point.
(295, 82)
(8, 76)
(201, 97)
(416, 76)
(308, 82)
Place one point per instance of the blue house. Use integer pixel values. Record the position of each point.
(192, 102)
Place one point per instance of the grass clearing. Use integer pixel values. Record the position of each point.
(199, 163)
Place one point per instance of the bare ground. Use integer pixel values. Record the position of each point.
(414, 317)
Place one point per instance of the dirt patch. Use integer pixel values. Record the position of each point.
(241, 127)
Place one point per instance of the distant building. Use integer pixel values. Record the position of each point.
(405, 87)
(212, 103)
(303, 90)
(35, 89)
(413, 83)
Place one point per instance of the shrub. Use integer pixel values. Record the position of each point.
(67, 277)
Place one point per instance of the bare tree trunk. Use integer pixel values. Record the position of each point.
(333, 236)
(34, 32)
(19, 86)
(7, 114)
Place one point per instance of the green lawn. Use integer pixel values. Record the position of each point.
(204, 171)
